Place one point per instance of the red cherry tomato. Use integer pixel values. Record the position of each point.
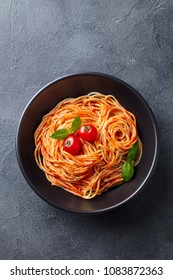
(72, 145)
(88, 132)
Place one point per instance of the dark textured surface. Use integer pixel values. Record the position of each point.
(41, 40)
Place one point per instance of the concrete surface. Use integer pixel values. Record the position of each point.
(41, 40)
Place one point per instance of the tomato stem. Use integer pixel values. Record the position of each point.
(87, 128)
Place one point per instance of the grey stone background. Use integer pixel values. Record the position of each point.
(41, 40)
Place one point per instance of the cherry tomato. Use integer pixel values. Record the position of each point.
(88, 132)
(72, 145)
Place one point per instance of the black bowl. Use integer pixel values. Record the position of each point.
(74, 86)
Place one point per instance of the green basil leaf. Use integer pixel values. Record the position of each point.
(60, 134)
(127, 171)
(133, 152)
(75, 124)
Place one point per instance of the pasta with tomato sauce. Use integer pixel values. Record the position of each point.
(97, 166)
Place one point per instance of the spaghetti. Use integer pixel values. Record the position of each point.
(98, 166)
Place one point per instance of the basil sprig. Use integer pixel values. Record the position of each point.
(62, 133)
(75, 124)
(133, 152)
(128, 166)
(127, 171)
